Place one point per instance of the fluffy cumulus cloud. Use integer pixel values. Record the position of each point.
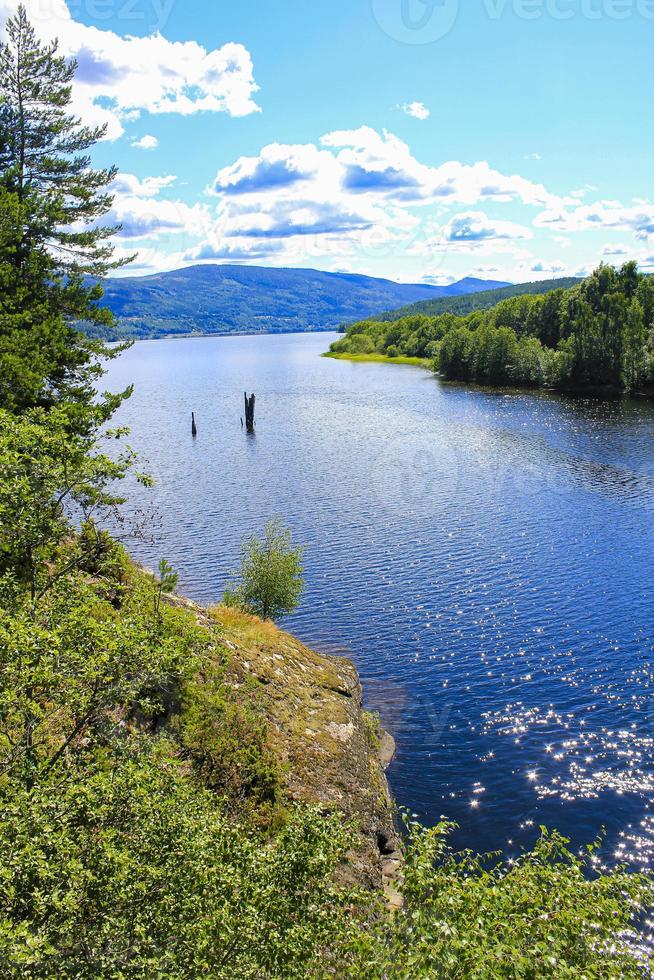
(365, 162)
(139, 218)
(146, 142)
(216, 250)
(417, 110)
(120, 78)
(360, 190)
(142, 213)
(277, 167)
(637, 218)
(473, 227)
(380, 163)
(128, 185)
(361, 198)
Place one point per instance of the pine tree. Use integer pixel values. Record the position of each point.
(51, 237)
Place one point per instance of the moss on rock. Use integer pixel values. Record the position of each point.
(318, 731)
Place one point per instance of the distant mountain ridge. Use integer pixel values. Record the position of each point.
(463, 303)
(223, 299)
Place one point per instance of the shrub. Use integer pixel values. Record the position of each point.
(270, 575)
(228, 742)
(468, 915)
(134, 871)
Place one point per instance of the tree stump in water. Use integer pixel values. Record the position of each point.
(249, 412)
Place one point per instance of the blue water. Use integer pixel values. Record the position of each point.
(485, 558)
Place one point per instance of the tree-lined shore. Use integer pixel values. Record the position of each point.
(596, 336)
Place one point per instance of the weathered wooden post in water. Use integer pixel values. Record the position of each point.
(249, 412)
(194, 428)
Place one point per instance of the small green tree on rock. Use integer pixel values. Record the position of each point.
(270, 579)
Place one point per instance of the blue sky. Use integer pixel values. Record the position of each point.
(421, 140)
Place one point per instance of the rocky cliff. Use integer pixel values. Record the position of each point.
(332, 752)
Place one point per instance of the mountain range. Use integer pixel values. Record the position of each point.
(222, 299)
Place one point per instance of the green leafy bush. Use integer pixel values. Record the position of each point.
(132, 870)
(270, 577)
(466, 915)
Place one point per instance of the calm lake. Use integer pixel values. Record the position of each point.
(484, 558)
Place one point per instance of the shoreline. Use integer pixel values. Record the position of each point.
(600, 392)
(217, 336)
(421, 362)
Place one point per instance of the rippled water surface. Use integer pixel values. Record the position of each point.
(485, 558)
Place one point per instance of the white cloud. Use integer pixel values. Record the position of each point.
(277, 167)
(383, 164)
(129, 185)
(474, 227)
(147, 260)
(119, 78)
(581, 192)
(356, 183)
(637, 218)
(552, 269)
(213, 249)
(361, 193)
(533, 156)
(142, 214)
(146, 142)
(418, 110)
(363, 162)
(615, 251)
(150, 218)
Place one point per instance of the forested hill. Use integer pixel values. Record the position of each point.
(597, 335)
(477, 300)
(220, 299)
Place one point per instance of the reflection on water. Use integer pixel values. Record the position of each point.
(485, 558)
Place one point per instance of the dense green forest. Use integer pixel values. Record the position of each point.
(143, 828)
(599, 334)
(481, 300)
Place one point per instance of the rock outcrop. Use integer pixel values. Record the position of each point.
(332, 752)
